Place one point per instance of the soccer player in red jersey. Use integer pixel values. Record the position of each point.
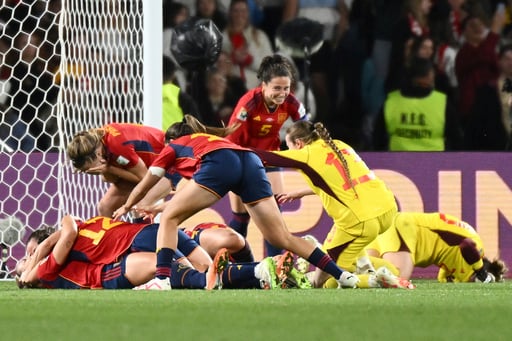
(101, 253)
(261, 113)
(216, 166)
(121, 153)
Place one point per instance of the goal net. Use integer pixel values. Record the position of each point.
(66, 66)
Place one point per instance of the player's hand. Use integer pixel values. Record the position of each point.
(149, 211)
(100, 169)
(120, 212)
(288, 197)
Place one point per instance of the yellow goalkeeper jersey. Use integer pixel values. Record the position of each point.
(325, 174)
(433, 239)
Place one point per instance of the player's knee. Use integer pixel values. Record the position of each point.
(104, 209)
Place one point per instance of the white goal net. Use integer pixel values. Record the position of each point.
(66, 66)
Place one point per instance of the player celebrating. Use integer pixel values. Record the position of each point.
(261, 113)
(424, 239)
(101, 253)
(121, 154)
(359, 203)
(215, 167)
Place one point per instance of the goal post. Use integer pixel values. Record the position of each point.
(67, 66)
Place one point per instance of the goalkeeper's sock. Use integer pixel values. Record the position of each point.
(322, 261)
(239, 222)
(164, 258)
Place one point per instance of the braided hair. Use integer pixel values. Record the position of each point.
(309, 132)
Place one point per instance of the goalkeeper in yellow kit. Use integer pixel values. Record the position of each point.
(359, 203)
(424, 239)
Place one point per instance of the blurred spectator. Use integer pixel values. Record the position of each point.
(505, 64)
(218, 103)
(417, 117)
(476, 63)
(413, 23)
(174, 14)
(235, 84)
(272, 18)
(31, 90)
(353, 50)
(333, 15)
(233, 88)
(209, 9)
(246, 44)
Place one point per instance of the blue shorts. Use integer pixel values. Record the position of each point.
(145, 240)
(112, 276)
(239, 171)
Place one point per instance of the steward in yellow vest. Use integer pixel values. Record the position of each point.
(417, 117)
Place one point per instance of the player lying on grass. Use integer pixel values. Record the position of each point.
(115, 238)
(424, 239)
(69, 264)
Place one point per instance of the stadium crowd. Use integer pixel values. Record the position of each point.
(370, 50)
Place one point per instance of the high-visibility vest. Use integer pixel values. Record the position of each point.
(171, 110)
(415, 124)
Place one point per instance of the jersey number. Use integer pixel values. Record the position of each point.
(96, 236)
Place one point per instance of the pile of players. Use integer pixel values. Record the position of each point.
(370, 245)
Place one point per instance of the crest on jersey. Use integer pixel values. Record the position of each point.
(242, 114)
(281, 117)
(121, 160)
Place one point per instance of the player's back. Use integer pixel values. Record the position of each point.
(102, 240)
(438, 239)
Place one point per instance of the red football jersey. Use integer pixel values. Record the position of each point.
(260, 127)
(101, 240)
(75, 273)
(183, 155)
(125, 143)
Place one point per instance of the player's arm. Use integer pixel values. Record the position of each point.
(134, 174)
(41, 251)
(153, 175)
(239, 117)
(60, 250)
(472, 256)
(290, 196)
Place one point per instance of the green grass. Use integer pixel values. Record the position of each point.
(433, 311)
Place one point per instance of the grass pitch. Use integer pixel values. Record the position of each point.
(432, 311)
